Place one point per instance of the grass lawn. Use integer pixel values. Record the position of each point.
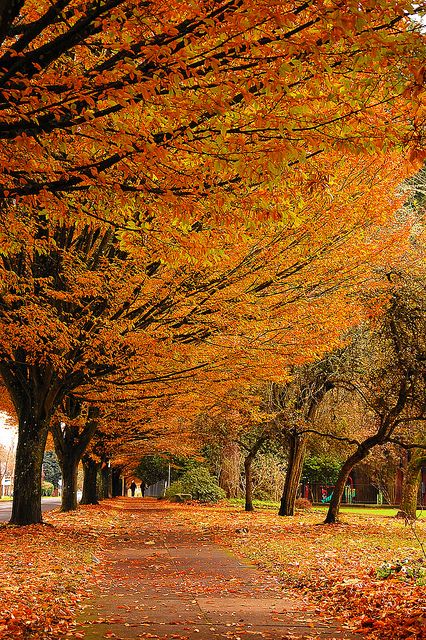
(372, 510)
(369, 511)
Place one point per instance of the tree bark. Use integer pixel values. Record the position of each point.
(410, 487)
(35, 394)
(106, 482)
(116, 482)
(70, 444)
(298, 442)
(69, 483)
(248, 483)
(348, 465)
(252, 453)
(26, 508)
(90, 489)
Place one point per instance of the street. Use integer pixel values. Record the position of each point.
(47, 504)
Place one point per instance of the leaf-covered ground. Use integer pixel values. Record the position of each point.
(47, 571)
(335, 565)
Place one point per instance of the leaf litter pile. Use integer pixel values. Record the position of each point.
(47, 572)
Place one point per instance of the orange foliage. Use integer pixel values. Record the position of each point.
(194, 192)
(173, 107)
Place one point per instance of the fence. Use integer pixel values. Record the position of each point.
(156, 490)
(354, 494)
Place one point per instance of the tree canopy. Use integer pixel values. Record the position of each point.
(187, 189)
(132, 97)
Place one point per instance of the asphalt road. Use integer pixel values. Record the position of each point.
(47, 504)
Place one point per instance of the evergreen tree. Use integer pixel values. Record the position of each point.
(51, 468)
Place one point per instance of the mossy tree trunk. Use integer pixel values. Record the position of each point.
(410, 487)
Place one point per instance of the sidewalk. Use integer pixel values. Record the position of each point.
(165, 582)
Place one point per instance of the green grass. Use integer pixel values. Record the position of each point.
(373, 510)
(368, 511)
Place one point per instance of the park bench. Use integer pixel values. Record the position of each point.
(182, 497)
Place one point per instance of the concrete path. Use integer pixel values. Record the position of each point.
(166, 584)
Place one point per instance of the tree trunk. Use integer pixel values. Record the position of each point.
(26, 508)
(70, 443)
(69, 467)
(106, 482)
(116, 482)
(410, 487)
(249, 483)
(333, 510)
(296, 458)
(35, 397)
(90, 490)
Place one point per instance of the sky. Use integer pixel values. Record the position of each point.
(8, 433)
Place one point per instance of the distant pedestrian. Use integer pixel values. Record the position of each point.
(133, 488)
(143, 487)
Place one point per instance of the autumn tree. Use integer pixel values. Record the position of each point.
(64, 298)
(390, 366)
(38, 385)
(76, 307)
(132, 97)
(72, 428)
(241, 416)
(390, 355)
(77, 77)
(297, 403)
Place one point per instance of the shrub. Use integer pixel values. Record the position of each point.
(303, 503)
(199, 483)
(175, 487)
(46, 488)
(321, 468)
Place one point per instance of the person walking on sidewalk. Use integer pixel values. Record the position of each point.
(133, 488)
